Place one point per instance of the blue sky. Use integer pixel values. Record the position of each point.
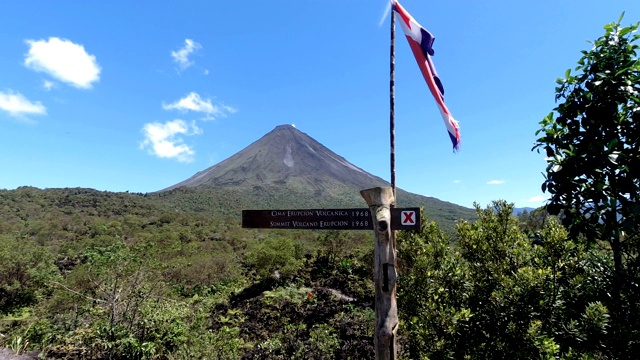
(139, 95)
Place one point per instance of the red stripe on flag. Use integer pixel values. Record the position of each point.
(403, 13)
(427, 74)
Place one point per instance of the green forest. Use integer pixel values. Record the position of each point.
(86, 274)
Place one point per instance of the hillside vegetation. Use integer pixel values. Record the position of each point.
(96, 274)
(88, 274)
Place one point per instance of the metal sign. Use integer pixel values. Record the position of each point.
(327, 219)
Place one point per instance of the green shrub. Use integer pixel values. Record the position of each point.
(224, 343)
(274, 258)
(26, 270)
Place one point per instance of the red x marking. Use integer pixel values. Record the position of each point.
(408, 217)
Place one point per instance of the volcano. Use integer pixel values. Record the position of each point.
(287, 168)
(285, 157)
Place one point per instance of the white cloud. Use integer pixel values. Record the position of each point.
(63, 60)
(495, 182)
(536, 199)
(18, 106)
(182, 56)
(193, 102)
(163, 139)
(457, 181)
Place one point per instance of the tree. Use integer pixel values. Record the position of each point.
(496, 294)
(592, 143)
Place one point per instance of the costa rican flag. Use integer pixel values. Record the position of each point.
(421, 43)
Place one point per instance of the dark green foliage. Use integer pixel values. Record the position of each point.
(430, 292)
(147, 282)
(26, 272)
(275, 258)
(497, 294)
(533, 221)
(592, 142)
(89, 274)
(202, 266)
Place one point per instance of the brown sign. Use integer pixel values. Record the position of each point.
(327, 219)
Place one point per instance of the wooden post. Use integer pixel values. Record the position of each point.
(380, 201)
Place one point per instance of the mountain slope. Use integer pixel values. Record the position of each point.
(286, 168)
(284, 156)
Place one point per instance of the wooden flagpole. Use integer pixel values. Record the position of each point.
(392, 101)
(381, 201)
